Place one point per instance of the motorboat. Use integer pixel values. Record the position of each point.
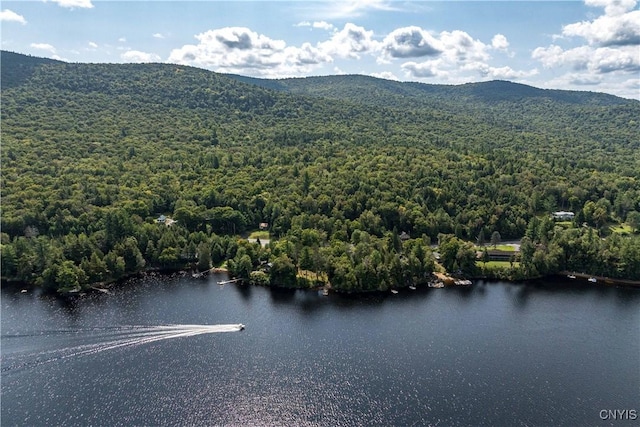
(241, 326)
(592, 279)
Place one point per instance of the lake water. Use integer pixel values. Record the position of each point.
(167, 351)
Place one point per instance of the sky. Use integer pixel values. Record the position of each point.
(591, 45)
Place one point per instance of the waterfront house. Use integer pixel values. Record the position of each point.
(563, 216)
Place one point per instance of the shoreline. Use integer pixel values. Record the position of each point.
(602, 280)
(448, 280)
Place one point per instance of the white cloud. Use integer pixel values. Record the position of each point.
(426, 69)
(500, 73)
(454, 48)
(609, 52)
(322, 25)
(93, 45)
(613, 7)
(453, 56)
(10, 16)
(138, 56)
(306, 55)
(241, 50)
(43, 46)
(71, 4)
(387, 75)
(552, 56)
(158, 36)
(599, 60)
(583, 79)
(411, 42)
(349, 42)
(499, 42)
(461, 47)
(608, 30)
(122, 39)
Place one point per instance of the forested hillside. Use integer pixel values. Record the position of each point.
(93, 154)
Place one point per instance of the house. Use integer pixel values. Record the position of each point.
(165, 220)
(404, 236)
(265, 266)
(498, 255)
(264, 225)
(563, 216)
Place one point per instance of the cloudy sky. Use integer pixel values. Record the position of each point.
(589, 45)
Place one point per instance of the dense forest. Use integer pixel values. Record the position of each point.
(357, 179)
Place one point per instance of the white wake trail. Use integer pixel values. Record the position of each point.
(114, 338)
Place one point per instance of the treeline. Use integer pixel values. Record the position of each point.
(354, 262)
(305, 258)
(547, 248)
(94, 153)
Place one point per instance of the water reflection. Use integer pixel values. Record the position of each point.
(282, 295)
(244, 291)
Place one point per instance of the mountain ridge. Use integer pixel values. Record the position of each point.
(326, 86)
(490, 91)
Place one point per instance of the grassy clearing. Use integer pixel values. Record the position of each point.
(507, 248)
(621, 229)
(498, 264)
(310, 275)
(259, 234)
(565, 224)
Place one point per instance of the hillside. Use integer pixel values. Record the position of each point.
(500, 103)
(375, 91)
(92, 154)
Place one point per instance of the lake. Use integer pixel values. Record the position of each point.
(167, 351)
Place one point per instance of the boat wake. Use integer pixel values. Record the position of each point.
(34, 349)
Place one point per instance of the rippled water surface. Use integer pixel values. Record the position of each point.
(169, 351)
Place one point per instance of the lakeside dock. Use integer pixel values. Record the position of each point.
(600, 279)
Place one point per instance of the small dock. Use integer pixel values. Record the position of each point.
(600, 279)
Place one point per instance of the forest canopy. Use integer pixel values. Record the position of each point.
(338, 167)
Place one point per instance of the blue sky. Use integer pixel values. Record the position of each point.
(579, 45)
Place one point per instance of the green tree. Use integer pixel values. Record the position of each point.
(204, 256)
(633, 219)
(241, 266)
(485, 256)
(480, 240)
(283, 271)
(169, 256)
(69, 276)
(96, 268)
(495, 239)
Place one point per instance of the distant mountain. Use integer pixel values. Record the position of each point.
(18, 68)
(377, 91)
